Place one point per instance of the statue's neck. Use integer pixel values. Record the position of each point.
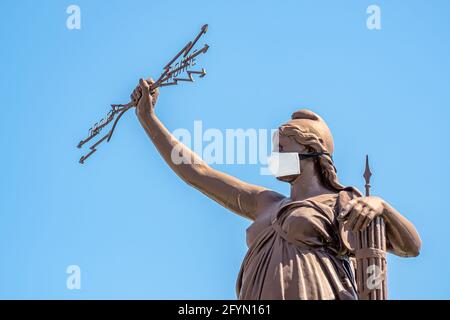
(308, 184)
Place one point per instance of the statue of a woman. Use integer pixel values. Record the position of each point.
(296, 250)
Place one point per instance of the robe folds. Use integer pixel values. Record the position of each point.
(300, 254)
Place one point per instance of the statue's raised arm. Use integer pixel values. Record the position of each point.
(242, 198)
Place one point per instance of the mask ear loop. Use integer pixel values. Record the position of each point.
(303, 156)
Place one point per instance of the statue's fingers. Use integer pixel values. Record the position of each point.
(346, 210)
(360, 221)
(133, 96)
(368, 203)
(354, 214)
(368, 219)
(155, 95)
(137, 94)
(144, 86)
(363, 201)
(358, 207)
(365, 209)
(364, 224)
(154, 92)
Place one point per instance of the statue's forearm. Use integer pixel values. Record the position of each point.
(166, 143)
(403, 238)
(232, 193)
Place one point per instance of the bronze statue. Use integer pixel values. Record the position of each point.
(300, 246)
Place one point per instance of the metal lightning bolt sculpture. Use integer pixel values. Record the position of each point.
(171, 75)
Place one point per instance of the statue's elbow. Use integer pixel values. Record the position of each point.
(406, 250)
(413, 253)
(413, 249)
(417, 249)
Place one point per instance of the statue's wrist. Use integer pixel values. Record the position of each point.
(145, 114)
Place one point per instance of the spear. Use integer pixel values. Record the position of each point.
(371, 254)
(367, 175)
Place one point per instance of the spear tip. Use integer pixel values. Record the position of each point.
(367, 172)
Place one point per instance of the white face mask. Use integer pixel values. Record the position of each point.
(283, 164)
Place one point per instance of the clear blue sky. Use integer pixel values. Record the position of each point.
(132, 226)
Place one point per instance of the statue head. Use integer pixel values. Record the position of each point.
(306, 133)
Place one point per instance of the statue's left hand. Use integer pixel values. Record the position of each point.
(359, 212)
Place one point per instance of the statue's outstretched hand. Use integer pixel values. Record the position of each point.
(143, 99)
(359, 212)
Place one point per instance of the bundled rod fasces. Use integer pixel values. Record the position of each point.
(371, 261)
(370, 251)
